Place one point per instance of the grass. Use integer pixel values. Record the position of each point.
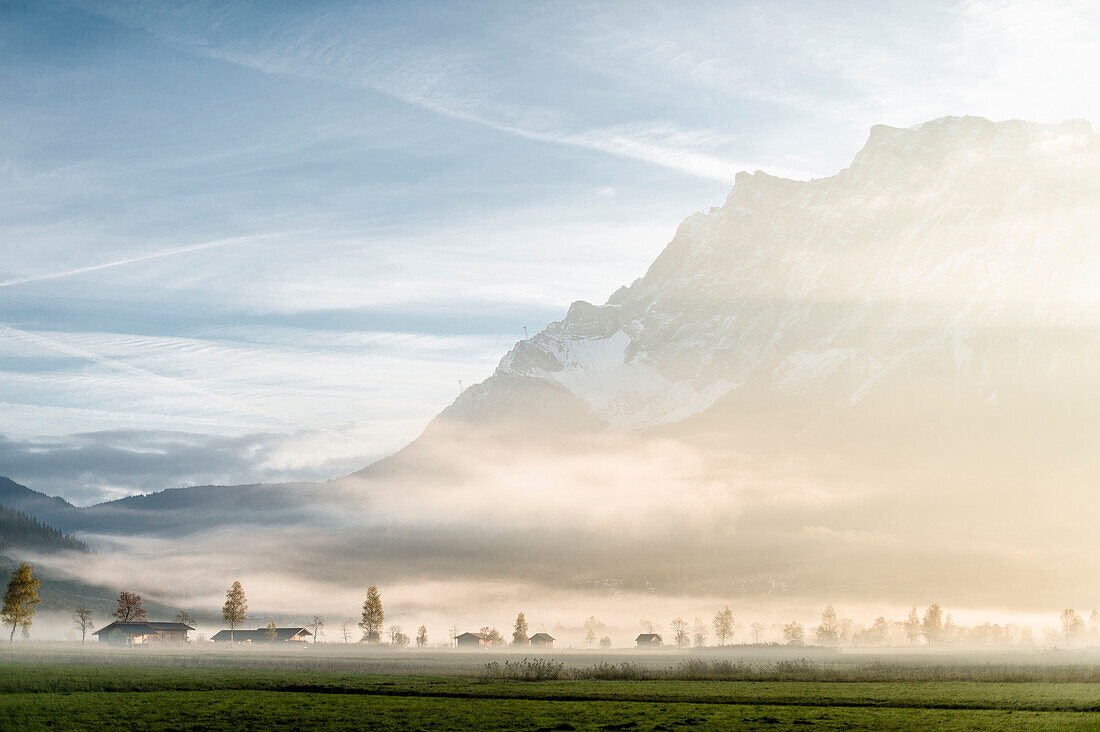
(105, 691)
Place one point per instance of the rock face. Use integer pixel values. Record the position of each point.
(961, 251)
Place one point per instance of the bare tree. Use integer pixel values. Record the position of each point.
(495, 638)
(756, 630)
(723, 625)
(828, 633)
(185, 617)
(318, 627)
(699, 633)
(421, 636)
(345, 630)
(1072, 625)
(82, 620)
(453, 633)
(129, 608)
(912, 626)
(680, 633)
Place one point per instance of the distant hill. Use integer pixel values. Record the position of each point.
(18, 530)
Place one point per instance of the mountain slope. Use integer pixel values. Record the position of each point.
(933, 247)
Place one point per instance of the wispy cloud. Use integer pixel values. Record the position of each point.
(145, 257)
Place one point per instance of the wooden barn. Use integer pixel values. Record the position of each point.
(648, 640)
(472, 640)
(143, 633)
(542, 640)
(282, 635)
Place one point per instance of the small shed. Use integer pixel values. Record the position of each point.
(143, 633)
(472, 640)
(648, 640)
(542, 640)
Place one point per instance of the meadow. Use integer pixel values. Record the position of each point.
(66, 687)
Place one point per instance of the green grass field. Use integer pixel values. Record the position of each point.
(190, 693)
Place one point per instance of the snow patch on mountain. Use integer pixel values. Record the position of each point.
(940, 250)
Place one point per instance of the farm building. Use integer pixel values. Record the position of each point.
(472, 640)
(543, 640)
(282, 635)
(136, 634)
(648, 640)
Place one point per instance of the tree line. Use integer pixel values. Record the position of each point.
(933, 627)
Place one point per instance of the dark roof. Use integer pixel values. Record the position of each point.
(481, 636)
(543, 637)
(648, 637)
(142, 628)
(259, 635)
(157, 625)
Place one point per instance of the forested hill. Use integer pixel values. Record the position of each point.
(18, 530)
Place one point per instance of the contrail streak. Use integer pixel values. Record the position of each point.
(152, 255)
(158, 379)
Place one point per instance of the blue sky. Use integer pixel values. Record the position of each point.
(262, 241)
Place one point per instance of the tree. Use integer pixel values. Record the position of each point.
(912, 626)
(373, 616)
(757, 632)
(680, 633)
(318, 627)
(129, 608)
(453, 633)
(723, 625)
(271, 632)
(519, 633)
(398, 637)
(879, 632)
(794, 634)
(421, 637)
(345, 630)
(20, 600)
(235, 609)
(495, 638)
(1072, 625)
(931, 626)
(605, 642)
(828, 633)
(185, 617)
(699, 633)
(589, 638)
(82, 620)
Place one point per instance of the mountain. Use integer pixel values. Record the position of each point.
(955, 249)
(879, 385)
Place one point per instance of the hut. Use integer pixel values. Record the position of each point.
(143, 633)
(260, 635)
(542, 640)
(648, 640)
(472, 640)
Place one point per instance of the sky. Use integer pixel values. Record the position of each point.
(267, 241)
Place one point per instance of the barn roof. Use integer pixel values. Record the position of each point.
(543, 637)
(648, 637)
(260, 634)
(142, 628)
(482, 636)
